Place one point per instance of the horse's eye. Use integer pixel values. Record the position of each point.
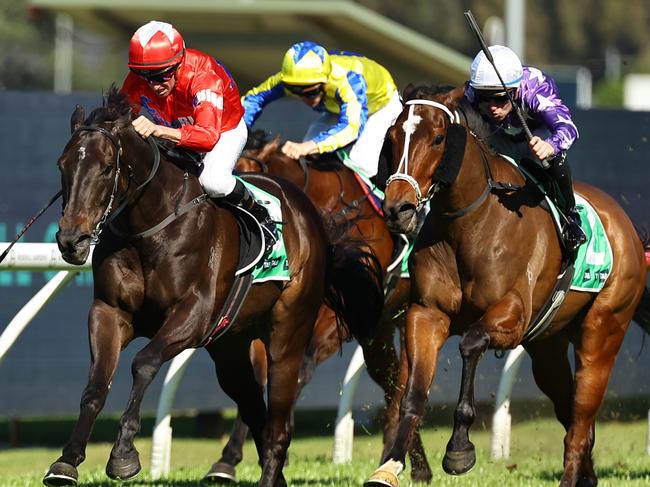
(438, 139)
(107, 170)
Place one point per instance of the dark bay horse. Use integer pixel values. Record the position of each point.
(334, 190)
(484, 262)
(167, 280)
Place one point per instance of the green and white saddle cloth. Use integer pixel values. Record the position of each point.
(594, 261)
(274, 266)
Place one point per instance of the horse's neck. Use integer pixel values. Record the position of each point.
(167, 187)
(288, 169)
(472, 179)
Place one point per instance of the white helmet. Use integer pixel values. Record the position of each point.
(483, 76)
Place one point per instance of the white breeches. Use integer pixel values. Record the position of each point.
(217, 179)
(366, 149)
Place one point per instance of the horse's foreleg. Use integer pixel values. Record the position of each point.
(426, 331)
(177, 334)
(460, 456)
(595, 351)
(502, 323)
(387, 370)
(106, 340)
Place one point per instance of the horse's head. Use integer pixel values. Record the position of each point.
(90, 174)
(428, 146)
(258, 152)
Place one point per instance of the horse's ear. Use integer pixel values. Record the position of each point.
(407, 91)
(269, 148)
(455, 95)
(77, 118)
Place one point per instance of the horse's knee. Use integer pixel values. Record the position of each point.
(94, 398)
(146, 364)
(473, 341)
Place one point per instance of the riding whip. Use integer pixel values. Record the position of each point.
(479, 36)
(29, 224)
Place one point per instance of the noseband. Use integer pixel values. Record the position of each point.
(94, 236)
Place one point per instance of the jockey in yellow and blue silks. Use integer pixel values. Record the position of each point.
(357, 96)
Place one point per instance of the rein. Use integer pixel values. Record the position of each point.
(108, 217)
(409, 128)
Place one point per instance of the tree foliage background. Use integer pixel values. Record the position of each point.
(576, 32)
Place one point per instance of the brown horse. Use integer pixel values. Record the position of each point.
(334, 190)
(483, 264)
(168, 281)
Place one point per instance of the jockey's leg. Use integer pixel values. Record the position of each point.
(240, 196)
(561, 174)
(218, 181)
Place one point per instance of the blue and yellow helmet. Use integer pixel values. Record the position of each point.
(305, 63)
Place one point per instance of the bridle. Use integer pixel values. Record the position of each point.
(409, 128)
(94, 236)
(109, 215)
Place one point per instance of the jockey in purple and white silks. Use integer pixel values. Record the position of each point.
(546, 115)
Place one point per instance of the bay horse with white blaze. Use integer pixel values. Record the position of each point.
(336, 192)
(483, 264)
(168, 279)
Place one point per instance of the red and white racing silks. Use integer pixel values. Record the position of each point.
(204, 103)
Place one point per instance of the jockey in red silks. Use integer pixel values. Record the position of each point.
(187, 97)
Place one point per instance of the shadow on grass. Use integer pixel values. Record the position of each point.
(607, 473)
(163, 483)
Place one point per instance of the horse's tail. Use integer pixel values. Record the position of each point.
(642, 313)
(354, 283)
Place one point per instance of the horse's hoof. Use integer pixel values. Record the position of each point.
(123, 468)
(385, 475)
(220, 473)
(61, 473)
(382, 478)
(459, 462)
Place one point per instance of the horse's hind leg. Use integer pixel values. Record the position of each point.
(595, 351)
(223, 470)
(553, 375)
(106, 340)
(237, 379)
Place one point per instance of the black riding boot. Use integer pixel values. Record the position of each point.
(572, 233)
(240, 196)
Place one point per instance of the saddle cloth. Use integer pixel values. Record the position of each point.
(274, 266)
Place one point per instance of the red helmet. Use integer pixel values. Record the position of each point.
(156, 45)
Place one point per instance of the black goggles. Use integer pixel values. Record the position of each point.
(499, 98)
(156, 75)
(311, 91)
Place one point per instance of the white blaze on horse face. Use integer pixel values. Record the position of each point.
(411, 123)
(82, 153)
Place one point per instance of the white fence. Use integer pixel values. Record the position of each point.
(46, 257)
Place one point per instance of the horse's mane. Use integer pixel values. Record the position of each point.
(115, 106)
(257, 139)
(475, 122)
